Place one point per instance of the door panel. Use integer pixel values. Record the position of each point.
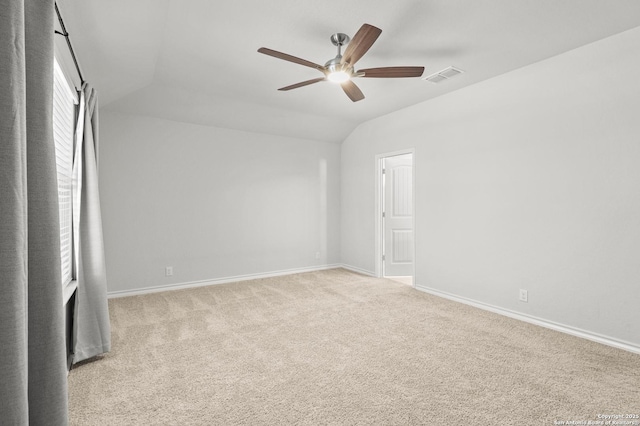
(397, 218)
(402, 242)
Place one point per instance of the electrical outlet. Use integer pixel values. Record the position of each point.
(317, 255)
(524, 295)
(168, 271)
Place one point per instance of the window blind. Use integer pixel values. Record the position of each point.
(63, 129)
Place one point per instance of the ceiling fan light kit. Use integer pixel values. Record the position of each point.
(341, 68)
(338, 76)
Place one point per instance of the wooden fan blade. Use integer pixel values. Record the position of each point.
(352, 91)
(302, 84)
(392, 72)
(360, 43)
(290, 58)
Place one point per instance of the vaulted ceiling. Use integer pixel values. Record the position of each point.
(196, 61)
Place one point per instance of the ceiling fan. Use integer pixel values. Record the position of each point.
(341, 68)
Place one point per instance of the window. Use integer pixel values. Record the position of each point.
(63, 132)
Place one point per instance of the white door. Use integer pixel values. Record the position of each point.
(397, 216)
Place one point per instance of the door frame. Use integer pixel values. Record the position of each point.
(379, 234)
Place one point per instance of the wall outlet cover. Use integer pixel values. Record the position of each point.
(524, 295)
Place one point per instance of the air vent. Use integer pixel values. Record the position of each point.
(443, 75)
(436, 78)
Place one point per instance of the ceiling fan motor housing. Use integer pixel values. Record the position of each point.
(334, 65)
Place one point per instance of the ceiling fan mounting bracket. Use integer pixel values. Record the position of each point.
(340, 39)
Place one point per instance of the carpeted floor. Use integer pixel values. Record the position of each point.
(335, 347)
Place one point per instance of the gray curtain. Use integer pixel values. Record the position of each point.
(92, 331)
(33, 373)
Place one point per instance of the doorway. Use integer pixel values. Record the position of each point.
(396, 246)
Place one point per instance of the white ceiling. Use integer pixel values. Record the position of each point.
(196, 61)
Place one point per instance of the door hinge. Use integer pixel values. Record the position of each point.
(383, 258)
(384, 171)
(384, 214)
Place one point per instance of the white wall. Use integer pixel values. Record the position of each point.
(212, 203)
(529, 180)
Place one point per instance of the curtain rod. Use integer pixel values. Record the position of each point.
(66, 36)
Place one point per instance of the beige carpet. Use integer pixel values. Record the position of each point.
(335, 347)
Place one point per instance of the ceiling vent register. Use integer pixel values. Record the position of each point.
(443, 75)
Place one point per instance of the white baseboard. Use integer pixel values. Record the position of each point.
(358, 270)
(605, 340)
(224, 280)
